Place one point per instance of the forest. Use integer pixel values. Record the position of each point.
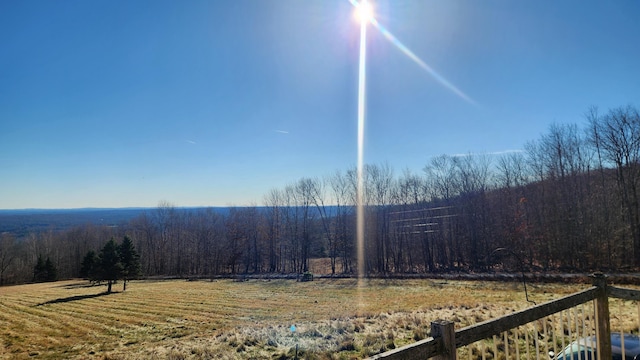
(569, 201)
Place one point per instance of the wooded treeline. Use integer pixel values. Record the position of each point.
(569, 201)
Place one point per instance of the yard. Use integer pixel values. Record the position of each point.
(178, 319)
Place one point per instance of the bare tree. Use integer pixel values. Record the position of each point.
(618, 137)
(274, 203)
(441, 175)
(292, 247)
(236, 240)
(512, 216)
(162, 218)
(604, 227)
(411, 229)
(378, 182)
(145, 233)
(8, 253)
(305, 194)
(344, 199)
(512, 172)
(319, 196)
(474, 181)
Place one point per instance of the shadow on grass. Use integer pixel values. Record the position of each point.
(75, 298)
(77, 285)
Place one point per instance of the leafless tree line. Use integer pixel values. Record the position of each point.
(568, 201)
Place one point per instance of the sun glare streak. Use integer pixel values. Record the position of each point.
(360, 180)
(360, 7)
(365, 14)
(444, 82)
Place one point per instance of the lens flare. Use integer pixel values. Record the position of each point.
(365, 14)
(364, 11)
(439, 78)
(360, 10)
(362, 72)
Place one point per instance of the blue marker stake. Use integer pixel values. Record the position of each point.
(293, 331)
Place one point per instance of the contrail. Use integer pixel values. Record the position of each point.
(281, 131)
(394, 40)
(502, 152)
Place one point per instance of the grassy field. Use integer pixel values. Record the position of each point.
(224, 319)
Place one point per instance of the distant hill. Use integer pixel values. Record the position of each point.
(22, 222)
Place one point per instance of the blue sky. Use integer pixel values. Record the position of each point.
(128, 103)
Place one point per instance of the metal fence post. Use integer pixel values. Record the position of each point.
(445, 330)
(603, 326)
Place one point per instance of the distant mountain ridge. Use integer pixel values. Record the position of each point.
(32, 211)
(21, 222)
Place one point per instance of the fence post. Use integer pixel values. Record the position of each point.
(603, 326)
(445, 330)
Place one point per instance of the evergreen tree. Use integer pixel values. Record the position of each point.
(44, 270)
(130, 261)
(39, 271)
(51, 273)
(88, 266)
(109, 265)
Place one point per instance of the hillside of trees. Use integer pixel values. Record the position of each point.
(22, 222)
(569, 201)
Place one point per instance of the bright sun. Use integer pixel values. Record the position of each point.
(364, 11)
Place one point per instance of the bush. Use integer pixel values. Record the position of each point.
(307, 276)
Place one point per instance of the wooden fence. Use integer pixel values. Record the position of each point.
(445, 340)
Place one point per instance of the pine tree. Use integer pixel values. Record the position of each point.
(39, 271)
(44, 270)
(130, 261)
(109, 265)
(88, 266)
(51, 273)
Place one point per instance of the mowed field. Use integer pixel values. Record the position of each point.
(223, 319)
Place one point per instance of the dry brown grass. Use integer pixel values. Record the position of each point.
(244, 320)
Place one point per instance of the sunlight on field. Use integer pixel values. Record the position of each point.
(226, 319)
